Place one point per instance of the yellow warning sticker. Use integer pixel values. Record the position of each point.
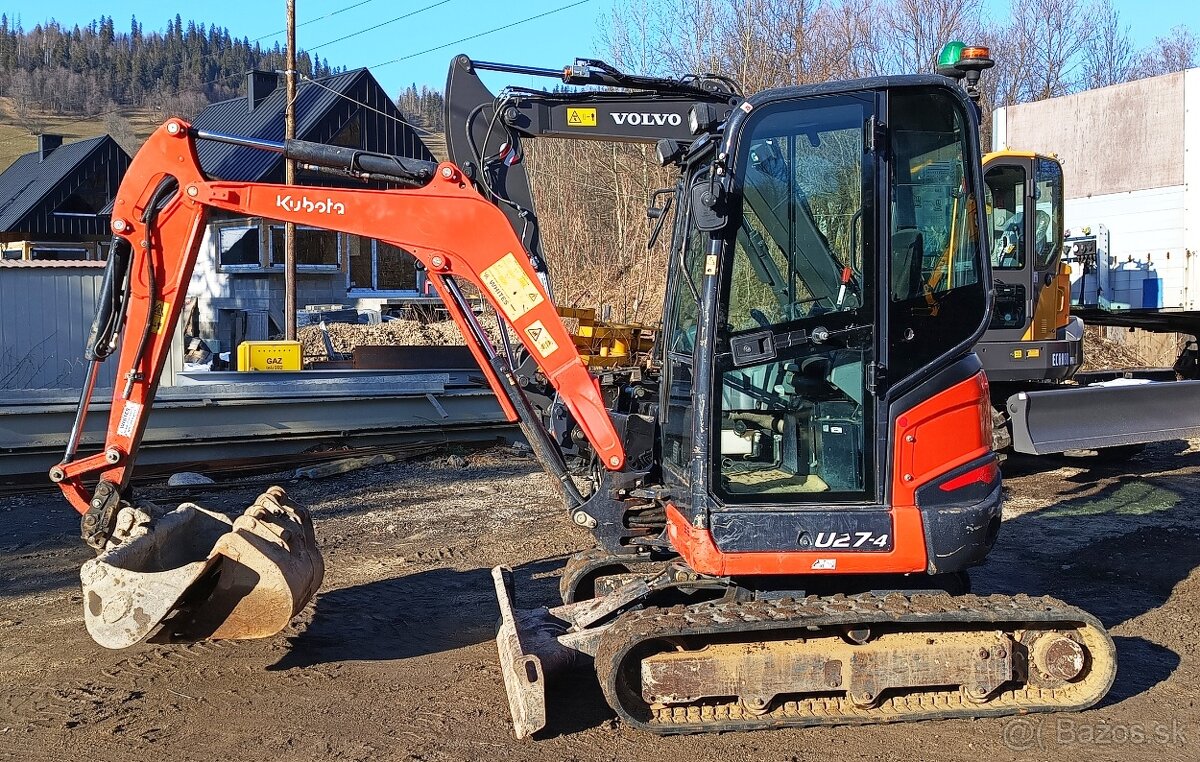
(710, 264)
(541, 338)
(158, 317)
(581, 117)
(514, 291)
(1031, 353)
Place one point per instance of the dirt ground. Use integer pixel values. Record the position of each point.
(395, 660)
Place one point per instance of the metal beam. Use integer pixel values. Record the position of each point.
(218, 421)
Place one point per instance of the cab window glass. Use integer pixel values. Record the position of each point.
(1005, 213)
(1048, 218)
(798, 251)
(937, 293)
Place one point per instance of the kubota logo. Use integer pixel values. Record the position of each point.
(635, 118)
(306, 204)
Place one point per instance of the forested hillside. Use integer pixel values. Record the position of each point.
(61, 69)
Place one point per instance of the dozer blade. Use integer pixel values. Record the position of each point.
(529, 653)
(201, 576)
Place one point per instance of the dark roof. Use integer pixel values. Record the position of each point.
(322, 107)
(24, 184)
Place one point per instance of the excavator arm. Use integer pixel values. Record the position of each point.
(193, 570)
(159, 218)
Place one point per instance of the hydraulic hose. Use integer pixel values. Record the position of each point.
(110, 309)
(165, 188)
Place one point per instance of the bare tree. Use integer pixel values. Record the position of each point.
(852, 29)
(914, 31)
(1048, 37)
(120, 129)
(26, 105)
(1108, 54)
(1174, 51)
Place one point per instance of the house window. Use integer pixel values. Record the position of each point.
(379, 266)
(238, 247)
(59, 253)
(395, 268)
(316, 249)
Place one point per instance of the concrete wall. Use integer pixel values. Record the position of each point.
(1121, 138)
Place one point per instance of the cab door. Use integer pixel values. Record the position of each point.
(1010, 201)
(1025, 219)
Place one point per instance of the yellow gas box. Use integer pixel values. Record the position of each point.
(269, 355)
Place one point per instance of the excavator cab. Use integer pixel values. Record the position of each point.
(824, 455)
(1032, 335)
(847, 270)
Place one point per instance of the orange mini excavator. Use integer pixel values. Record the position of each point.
(784, 505)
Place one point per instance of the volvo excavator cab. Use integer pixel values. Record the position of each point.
(1031, 336)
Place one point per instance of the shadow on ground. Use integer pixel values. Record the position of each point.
(403, 617)
(1141, 665)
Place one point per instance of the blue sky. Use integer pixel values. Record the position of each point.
(551, 41)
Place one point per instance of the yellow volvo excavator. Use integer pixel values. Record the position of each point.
(785, 508)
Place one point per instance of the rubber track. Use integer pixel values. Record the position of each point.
(920, 610)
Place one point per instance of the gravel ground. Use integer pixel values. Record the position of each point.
(402, 333)
(395, 659)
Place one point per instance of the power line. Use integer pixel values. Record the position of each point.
(430, 50)
(483, 34)
(369, 107)
(380, 24)
(331, 14)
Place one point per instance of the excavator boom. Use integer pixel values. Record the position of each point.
(460, 222)
(159, 218)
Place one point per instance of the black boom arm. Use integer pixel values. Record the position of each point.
(484, 132)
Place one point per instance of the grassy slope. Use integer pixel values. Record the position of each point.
(16, 140)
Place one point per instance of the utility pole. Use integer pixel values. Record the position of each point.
(289, 177)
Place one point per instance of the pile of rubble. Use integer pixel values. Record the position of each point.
(399, 333)
(1100, 353)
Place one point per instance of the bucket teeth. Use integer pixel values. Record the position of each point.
(202, 576)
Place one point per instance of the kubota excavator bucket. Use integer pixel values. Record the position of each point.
(201, 576)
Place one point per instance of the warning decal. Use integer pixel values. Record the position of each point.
(581, 117)
(129, 418)
(514, 291)
(158, 316)
(541, 338)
